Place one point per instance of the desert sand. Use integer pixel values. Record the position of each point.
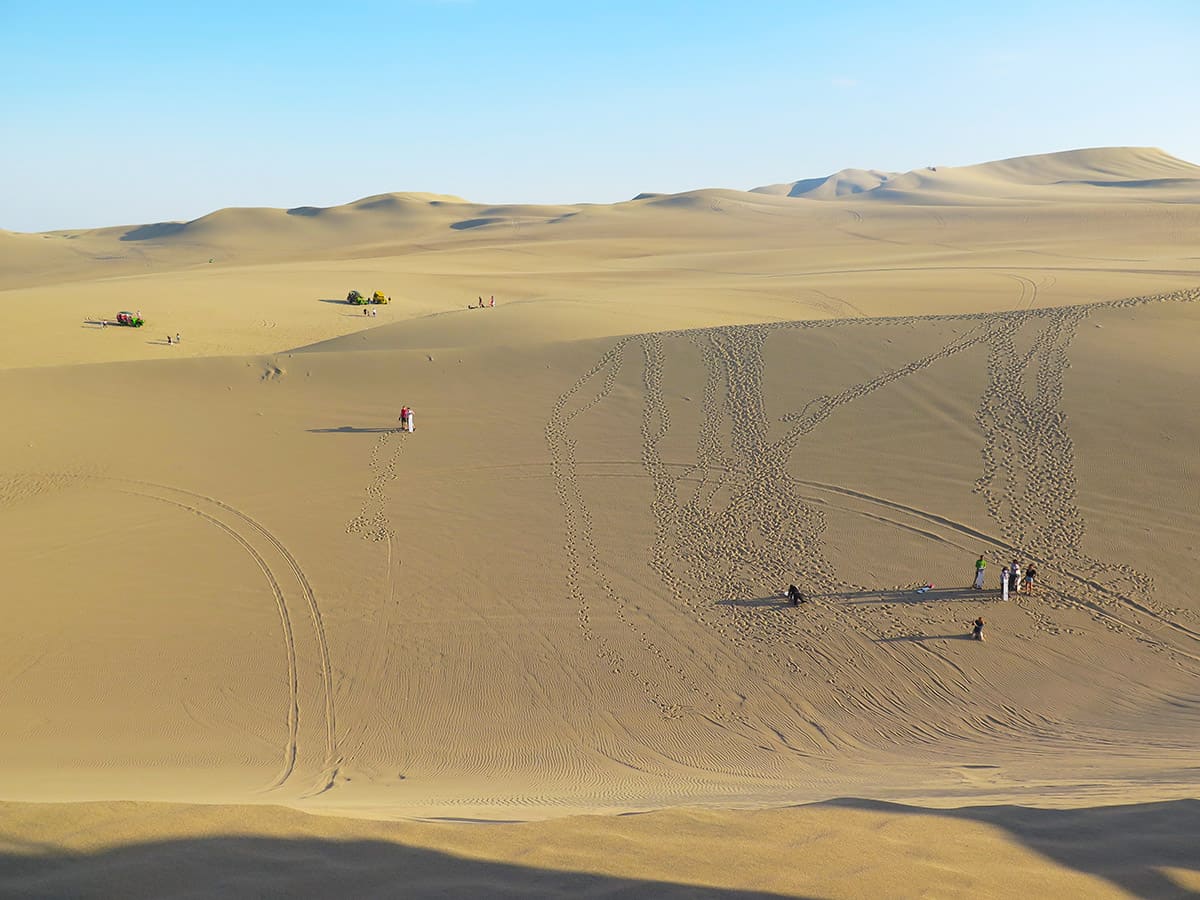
(260, 642)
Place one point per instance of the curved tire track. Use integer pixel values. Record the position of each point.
(259, 532)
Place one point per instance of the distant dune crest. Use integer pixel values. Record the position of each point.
(1043, 176)
(1104, 173)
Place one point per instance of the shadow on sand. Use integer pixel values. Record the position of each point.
(1128, 846)
(235, 867)
(911, 595)
(772, 602)
(856, 598)
(918, 638)
(351, 429)
(155, 231)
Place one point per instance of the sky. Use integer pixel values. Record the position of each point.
(129, 113)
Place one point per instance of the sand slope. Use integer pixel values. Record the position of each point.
(229, 579)
(842, 849)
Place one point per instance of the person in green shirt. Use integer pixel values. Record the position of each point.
(980, 565)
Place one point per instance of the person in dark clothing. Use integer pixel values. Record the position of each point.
(977, 631)
(1030, 575)
(794, 595)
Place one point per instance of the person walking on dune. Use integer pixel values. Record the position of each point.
(980, 565)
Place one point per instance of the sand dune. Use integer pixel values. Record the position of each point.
(249, 282)
(230, 579)
(1052, 177)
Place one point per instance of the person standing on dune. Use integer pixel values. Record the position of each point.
(980, 565)
(1030, 575)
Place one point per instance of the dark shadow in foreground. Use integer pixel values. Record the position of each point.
(1125, 845)
(234, 867)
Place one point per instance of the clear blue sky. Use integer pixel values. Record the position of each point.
(120, 113)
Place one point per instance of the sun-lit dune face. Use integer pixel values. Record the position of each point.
(234, 578)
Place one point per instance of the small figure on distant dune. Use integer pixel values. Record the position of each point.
(1014, 577)
(794, 596)
(404, 418)
(103, 323)
(168, 340)
(492, 301)
(480, 303)
(178, 340)
(1030, 575)
(977, 631)
(366, 312)
(410, 420)
(980, 565)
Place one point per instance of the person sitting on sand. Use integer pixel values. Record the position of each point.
(977, 631)
(794, 595)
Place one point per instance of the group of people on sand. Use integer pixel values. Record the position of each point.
(406, 419)
(1011, 577)
(490, 303)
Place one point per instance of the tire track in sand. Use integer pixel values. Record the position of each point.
(237, 529)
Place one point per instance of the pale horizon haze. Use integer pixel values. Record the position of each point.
(128, 113)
